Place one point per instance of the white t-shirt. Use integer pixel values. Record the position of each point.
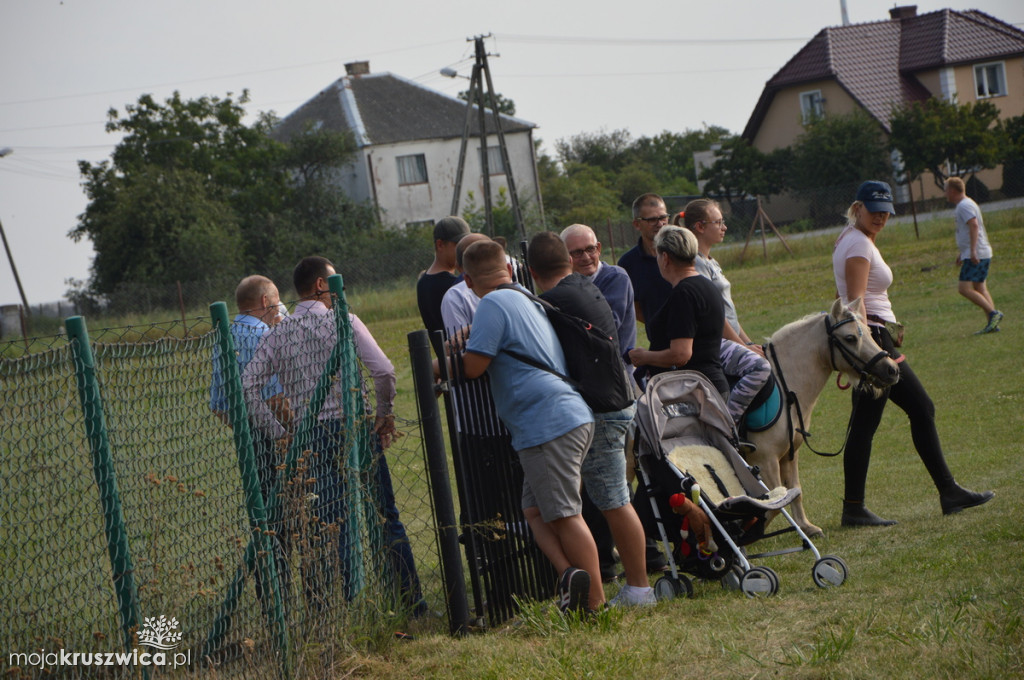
(709, 267)
(965, 210)
(854, 243)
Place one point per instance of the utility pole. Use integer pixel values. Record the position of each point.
(482, 73)
(10, 258)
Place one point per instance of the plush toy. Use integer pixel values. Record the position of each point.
(695, 520)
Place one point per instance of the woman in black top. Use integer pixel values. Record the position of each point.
(687, 331)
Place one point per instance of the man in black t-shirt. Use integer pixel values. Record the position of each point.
(604, 468)
(440, 276)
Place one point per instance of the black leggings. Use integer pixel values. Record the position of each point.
(909, 395)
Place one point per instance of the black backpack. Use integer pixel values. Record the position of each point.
(591, 357)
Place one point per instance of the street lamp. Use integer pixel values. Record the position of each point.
(6, 151)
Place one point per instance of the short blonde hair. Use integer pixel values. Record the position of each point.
(679, 243)
(957, 183)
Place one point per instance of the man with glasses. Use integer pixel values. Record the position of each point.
(641, 262)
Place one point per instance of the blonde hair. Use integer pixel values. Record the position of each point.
(697, 211)
(680, 244)
(957, 184)
(851, 212)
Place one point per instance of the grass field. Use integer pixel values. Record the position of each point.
(931, 597)
(934, 596)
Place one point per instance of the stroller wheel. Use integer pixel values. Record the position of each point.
(829, 572)
(759, 582)
(668, 588)
(732, 578)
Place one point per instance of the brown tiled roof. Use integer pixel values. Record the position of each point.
(876, 62)
(383, 108)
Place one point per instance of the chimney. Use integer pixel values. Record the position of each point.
(357, 68)
(904, 12)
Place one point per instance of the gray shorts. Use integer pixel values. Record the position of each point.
(551, 473)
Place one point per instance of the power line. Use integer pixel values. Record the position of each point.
(638, 42)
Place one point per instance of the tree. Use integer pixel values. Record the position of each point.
(670, 155)
(609, 151)
(190, 191)
(740, 169)
(833, 155)
(505, 105)
(1013, 155)
(945, 138)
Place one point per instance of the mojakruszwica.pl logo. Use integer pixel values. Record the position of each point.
(158, 640)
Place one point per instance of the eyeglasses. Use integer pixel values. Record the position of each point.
(580, 252)
(714, 223)
(655, 219)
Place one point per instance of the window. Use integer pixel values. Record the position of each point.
(494, 164)
(990, 80)
(412, 169)
(812, 105)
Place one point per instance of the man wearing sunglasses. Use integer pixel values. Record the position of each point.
(641, 262)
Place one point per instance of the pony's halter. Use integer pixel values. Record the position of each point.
(862, 367)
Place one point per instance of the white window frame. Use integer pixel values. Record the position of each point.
(495, 164)
(812, 105)
(412, 169)
(982, 86)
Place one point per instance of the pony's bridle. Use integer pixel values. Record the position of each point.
(862, 367)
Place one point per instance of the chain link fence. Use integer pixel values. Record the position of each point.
(137, 521)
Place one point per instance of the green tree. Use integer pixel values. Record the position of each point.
(1013, 155)
(833, 155)
(740, 170)
(190, 192)
(670, 156)
(609, 151)
(505, 105)
(946, 138)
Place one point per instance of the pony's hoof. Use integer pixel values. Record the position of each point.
(813, 531)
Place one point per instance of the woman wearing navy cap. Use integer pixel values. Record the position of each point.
(862, 275)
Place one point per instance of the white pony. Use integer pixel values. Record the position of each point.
(803, 355)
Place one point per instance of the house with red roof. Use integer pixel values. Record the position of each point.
(876, 66)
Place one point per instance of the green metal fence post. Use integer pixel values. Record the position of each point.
(357, 445)
(238, 415)
(123, 571)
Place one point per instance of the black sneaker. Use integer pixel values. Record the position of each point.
(574, 590)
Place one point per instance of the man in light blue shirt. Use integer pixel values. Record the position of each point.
(550, 423)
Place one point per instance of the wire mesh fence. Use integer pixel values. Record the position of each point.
(138, 516)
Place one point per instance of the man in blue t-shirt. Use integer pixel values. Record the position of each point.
(551, 426)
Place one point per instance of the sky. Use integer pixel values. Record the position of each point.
(570, 66)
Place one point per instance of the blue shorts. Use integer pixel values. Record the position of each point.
(604, 468)
(974, 272)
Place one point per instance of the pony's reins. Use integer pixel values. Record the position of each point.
(791, 399)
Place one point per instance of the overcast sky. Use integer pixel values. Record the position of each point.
(571, 66)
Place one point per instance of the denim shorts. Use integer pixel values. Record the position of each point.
(604, 468)
(974, 272)
(551, 473)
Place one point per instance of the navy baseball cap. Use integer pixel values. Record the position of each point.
(876, 196)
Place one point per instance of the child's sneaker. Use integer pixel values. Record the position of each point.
(993, 322)
(633, 596)
(574, 590)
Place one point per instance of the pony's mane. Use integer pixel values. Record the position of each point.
(793, 325)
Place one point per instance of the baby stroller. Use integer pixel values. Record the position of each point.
(686, 444)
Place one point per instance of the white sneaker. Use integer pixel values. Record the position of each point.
(633, 596)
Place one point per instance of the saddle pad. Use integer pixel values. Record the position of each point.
(765, 415)
(710, 468)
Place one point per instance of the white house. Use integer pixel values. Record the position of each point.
(409, 138)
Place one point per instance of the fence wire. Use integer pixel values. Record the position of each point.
(259, 556)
